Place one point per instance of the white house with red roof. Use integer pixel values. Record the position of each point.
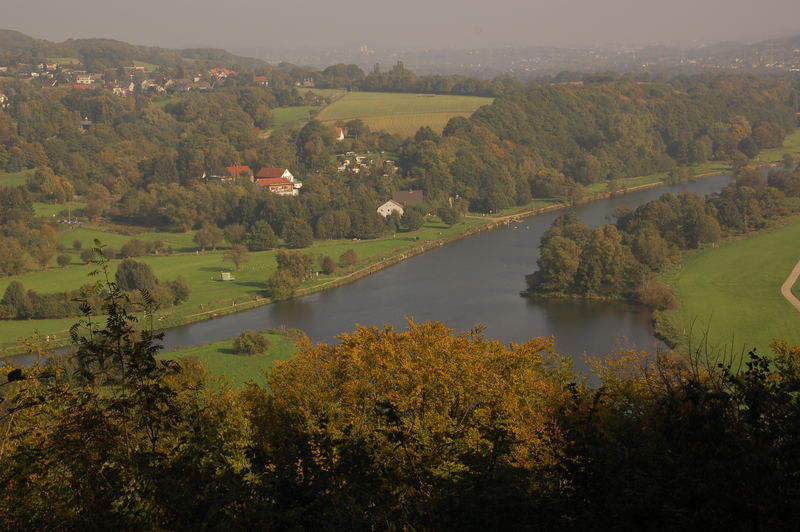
(278, 181)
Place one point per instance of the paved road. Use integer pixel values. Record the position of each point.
(786, 288)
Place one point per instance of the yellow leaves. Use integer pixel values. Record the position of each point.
(442, 395)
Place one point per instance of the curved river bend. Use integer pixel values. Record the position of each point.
(473, 281)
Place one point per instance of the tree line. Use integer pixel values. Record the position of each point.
(139, 161)
(618, 260)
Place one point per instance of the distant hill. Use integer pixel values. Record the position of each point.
(97, 54)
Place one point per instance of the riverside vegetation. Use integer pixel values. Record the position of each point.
(624, 260)
(414, 429)
(498, 159)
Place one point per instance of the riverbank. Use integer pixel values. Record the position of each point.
(715, 284)
(218, 298)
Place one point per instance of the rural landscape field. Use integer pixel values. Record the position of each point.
(401, 114)
(730, 296)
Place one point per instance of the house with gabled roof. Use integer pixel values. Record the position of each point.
(278, 181)
(388, 207)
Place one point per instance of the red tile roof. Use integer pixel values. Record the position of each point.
(273, 182)
(260, 79)
(270, 172)
(236, 171)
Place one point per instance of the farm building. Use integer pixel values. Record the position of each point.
(387, 208)
(278, 181)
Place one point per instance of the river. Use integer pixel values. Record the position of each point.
(474, 281)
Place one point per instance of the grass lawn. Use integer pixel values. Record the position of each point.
(87, 233)
(14, 179)
(221, 361)
(209, 294)
(149, 67)
(325, 93)
(733, 291)
(53, 210)
(290, 115)
(402, 114)
(791, 145)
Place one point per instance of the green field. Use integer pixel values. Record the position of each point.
(149, 67)
(53, 210)
(791, 145)
(290, 115)
(14, 179)
(733, 291)
(209, 294)
(325, 93)
(402, 114)
(221, 361)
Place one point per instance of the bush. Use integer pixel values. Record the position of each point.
(77, 245)
(87, 255)
(180, 290)
(448, 215)
(134, 248)
(656, 295)
(328, 266)
(135, 275)
(63, 260)
(281, 285)
(348, 258)
(250, 343)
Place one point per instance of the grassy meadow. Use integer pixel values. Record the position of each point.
(14, 179)
(325, 93)
(290, 115)
(221, 361)
(209, 294)
(402, 114)
(791, 145)
(732, 292)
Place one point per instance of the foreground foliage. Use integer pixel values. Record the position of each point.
(417, 429)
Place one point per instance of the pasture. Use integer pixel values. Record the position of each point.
(14, 179)
(203, 272)
(221, 361)
(791, 145)
(290, 115)
(401, 114)
(733, 292)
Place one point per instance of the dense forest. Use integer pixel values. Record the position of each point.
(619, 260)
(396, 430)
(138, 160)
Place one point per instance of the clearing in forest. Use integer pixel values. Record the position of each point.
(402, 114)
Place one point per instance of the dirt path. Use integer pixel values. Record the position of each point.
(786, 288)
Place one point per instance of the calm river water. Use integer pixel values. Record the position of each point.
(473, 281)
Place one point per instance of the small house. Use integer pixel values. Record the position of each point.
(278, 181)
(387, 208)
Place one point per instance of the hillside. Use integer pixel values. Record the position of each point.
(100, 53)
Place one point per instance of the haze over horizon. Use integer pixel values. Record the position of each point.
(313, 24)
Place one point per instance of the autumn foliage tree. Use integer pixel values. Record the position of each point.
(381, 426)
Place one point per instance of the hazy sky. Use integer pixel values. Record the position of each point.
(408, 23)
